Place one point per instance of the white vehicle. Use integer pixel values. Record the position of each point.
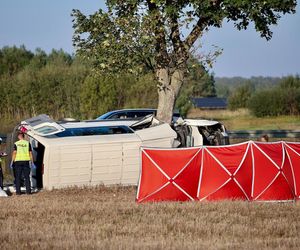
(191, 132)
(102, 152)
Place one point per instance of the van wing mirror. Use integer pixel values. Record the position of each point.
(41, 125)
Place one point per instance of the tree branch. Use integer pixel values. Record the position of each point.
(175, 33)
(196, 32)
(162, 57)
(180, 54)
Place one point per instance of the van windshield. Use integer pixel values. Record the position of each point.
(105, 130)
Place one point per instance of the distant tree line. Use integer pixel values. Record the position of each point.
(225, 86)
(62, 85)
(278, 99)
(34, 83)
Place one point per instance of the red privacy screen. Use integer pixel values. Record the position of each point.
(248, 171)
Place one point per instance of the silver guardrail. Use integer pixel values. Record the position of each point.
(244, 134)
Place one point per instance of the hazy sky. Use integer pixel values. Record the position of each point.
(47, 24)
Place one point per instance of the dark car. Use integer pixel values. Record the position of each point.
(130, 114)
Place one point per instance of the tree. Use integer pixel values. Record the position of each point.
(282, 99)
(199, 83)
(269, 102)
(141, 93)
(13, 59)
(240, 96)
(97, 96)
(35, 83)
(134, 34)
(202, 82)
(290, 88)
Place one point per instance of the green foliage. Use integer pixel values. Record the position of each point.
(40, 84)
(199, 84)
(283, 99)
(135, 36)
(63, 86)
(13, 59)
(223, 91)
(136, 33)
(205, 86)
(109, 45)
(240, 97)
(98, 95)
(183, 102)
(267, 103)
(141, 92)
(102, 94)
(225, 86)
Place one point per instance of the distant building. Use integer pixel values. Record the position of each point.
(210, 103)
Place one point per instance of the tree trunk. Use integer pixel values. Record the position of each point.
(168, 90)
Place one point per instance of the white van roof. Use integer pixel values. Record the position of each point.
(159, 131)
(43, 125)
(200, 122)
(97, 123)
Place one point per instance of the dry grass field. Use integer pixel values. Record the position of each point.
(109, 218)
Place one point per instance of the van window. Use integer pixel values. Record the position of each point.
(46, 129)
(107, 130)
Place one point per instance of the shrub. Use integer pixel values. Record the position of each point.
(267, 103)
(281, 100)
(240, 97)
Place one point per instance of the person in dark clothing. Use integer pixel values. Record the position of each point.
(264, 138)
(39, 165)
(1, 172)
(22, 159)
(1, 177)
(2, 155)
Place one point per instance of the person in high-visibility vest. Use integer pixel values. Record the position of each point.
(22, 159)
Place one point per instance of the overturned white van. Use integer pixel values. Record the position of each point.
(90, 153)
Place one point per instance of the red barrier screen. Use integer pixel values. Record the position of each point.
(247, 171)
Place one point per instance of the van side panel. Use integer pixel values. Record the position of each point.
(75, 165)
(130, 168)
(46, 184)
(106, 164)
(53, 167)
(107, 160)
(68, 166)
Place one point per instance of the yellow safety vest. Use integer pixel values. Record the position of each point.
(22, 151)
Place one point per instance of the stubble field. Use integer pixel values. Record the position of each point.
(109, 218)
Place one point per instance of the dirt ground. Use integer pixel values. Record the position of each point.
(109, 218)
